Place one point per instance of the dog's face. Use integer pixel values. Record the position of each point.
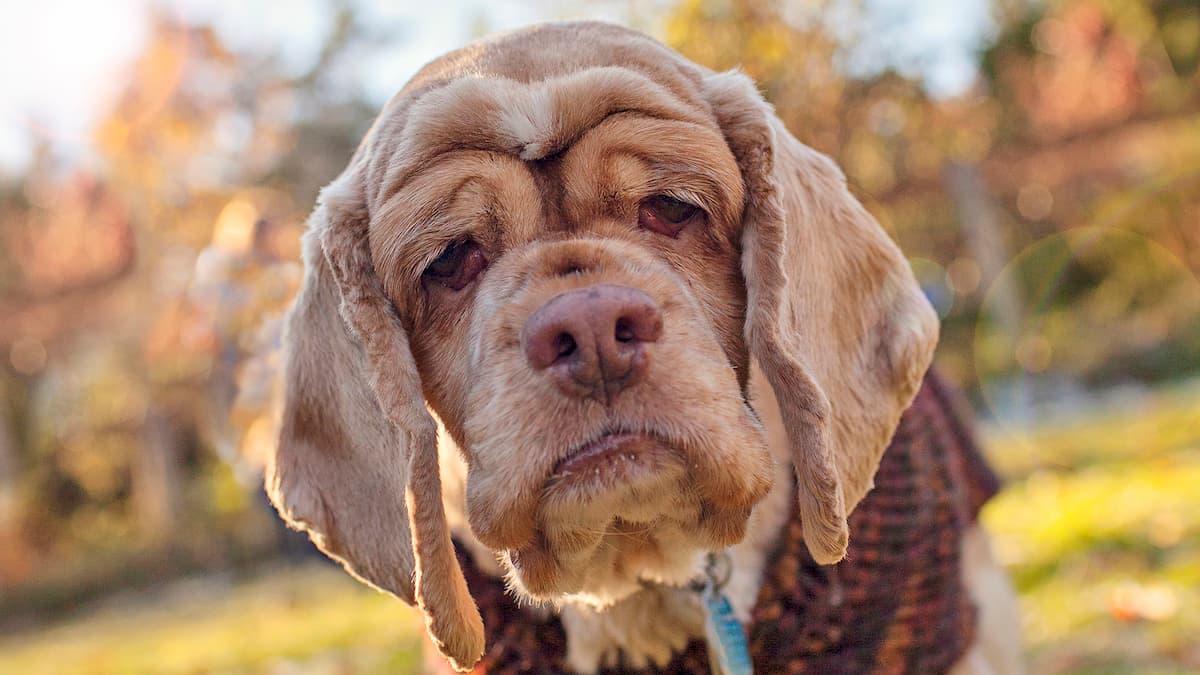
(572, 262)
(577, 324)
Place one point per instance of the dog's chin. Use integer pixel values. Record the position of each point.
(619, 512)
(627, 556)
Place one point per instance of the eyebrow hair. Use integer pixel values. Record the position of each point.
(426, 214)
(712, 184)
(526, 120)
(414, 236)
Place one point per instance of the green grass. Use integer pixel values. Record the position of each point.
(312, 619)
(1099, 526)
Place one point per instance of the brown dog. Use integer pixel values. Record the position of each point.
(632, 300)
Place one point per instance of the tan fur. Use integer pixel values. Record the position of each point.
(543, 162)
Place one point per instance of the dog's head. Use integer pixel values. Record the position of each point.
(570, 243)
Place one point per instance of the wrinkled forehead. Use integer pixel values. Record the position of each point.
(468, 153)
(518, 78)
(527, 120)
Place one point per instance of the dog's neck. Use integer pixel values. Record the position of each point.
(652, 623)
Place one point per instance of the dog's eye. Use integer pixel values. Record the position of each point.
(458, 265)
(667, 215)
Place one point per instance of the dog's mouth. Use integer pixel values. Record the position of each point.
(621, 487)
(618, 458)
(628, 504)
(602, 452)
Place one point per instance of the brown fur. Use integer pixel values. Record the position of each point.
(543, 161)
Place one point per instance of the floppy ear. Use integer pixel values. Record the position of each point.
(356, 466)
(834, 315)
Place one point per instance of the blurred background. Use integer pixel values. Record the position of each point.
(1038, 161)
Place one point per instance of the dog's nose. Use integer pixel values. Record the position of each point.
(593, 340)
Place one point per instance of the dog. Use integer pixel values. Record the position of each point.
(578, 316)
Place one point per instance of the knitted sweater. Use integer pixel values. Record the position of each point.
(896, 604)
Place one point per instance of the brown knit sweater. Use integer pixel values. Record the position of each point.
(896, 604)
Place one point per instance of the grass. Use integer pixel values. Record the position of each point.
(312, 619)
(1099, 526)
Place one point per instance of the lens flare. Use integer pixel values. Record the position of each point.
(1089, 304)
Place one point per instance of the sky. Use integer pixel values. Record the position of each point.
(54, 70)
(62, 60)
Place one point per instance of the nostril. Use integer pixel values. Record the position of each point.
(638, 322)
(564, 345)
(624, 331)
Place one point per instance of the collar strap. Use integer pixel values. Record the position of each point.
(728, 651)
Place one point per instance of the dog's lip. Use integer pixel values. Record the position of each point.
(604, 449)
